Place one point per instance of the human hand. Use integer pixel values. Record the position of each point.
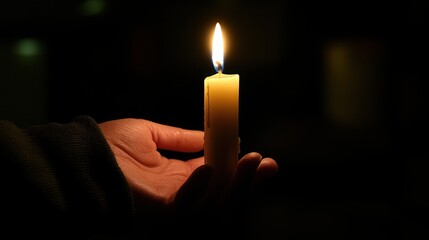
(160, 184)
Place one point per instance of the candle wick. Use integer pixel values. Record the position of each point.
(219, 67)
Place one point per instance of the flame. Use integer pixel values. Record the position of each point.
(217, 49)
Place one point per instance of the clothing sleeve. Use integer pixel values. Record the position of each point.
(62, 170)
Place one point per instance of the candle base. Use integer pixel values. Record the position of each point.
(222, 156)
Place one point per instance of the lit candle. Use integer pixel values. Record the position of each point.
(221, 141)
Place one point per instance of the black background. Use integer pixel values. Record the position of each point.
(360, 178)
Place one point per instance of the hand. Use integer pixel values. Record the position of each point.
(158, 183)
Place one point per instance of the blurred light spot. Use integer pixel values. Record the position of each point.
(92, 7)
(28, 47)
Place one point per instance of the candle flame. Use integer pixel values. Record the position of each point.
(217, 49)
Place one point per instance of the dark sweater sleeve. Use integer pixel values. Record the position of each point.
(62, 169)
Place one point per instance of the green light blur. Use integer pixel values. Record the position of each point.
(92, 7)
(28, 47)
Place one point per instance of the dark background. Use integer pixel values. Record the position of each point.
(335, 91)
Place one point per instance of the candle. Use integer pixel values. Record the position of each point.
(221, 141)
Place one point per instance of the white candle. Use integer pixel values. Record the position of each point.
(221, 141)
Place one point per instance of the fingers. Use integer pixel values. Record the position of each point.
(245, 170)
(253, 169)
(241, 181)
(176, 139)
(195, 192)
(267, 168)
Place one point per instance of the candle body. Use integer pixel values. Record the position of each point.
(221, 140)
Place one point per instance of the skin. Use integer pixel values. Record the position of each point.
(160, 184)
